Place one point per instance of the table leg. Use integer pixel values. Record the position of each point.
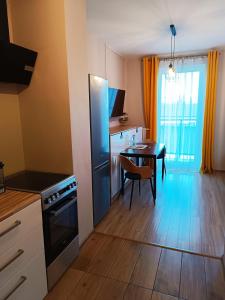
(163, 167)
(154, 182)
(122, 181)
(137, 161)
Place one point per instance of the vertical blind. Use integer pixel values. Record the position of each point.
(181, 100)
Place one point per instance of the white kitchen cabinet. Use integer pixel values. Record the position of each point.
(22, 260)
(118, 142)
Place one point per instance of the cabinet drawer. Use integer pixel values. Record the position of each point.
(20, 225)
(28, 283)
(21, 253)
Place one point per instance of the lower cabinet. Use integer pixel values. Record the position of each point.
(27, 283)
(119, 142)
(22, 260)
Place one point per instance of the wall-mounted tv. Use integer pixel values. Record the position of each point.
(116, 102)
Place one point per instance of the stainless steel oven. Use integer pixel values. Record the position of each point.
(60, 226)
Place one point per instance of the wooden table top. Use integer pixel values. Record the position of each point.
(13, 201)
(153, 150)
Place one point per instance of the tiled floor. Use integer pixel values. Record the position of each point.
(112, 268)
(189, 214)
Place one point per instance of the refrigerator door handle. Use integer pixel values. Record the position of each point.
(102, 165)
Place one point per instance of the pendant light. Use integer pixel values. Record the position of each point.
(172, 69)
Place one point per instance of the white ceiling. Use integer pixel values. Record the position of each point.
(140, 27)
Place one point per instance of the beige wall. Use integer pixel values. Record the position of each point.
(134, 99)
(39, 25)
(75, 12)
(11, 146)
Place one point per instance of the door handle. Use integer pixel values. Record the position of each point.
(20, 282)
(14, 225)
(55, 213)
(12, 259)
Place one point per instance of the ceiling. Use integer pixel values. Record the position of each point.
(140, 27)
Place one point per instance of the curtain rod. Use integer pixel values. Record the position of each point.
(161, 58)
(184, 56)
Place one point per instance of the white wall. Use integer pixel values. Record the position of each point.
(75, 19)
(104, 62)
(219, 148)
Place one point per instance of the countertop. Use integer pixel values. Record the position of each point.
(121, 128)
(13, 201)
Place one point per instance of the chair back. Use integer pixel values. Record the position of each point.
(127, 164)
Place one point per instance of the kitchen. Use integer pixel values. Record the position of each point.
(39, 123)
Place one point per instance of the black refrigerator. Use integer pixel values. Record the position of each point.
(99, 121)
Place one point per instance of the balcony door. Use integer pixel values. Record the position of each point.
(181, 100)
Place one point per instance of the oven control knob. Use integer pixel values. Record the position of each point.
(48, 200)
(57, 195)
(53, 197)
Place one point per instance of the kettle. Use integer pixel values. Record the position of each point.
(2, 179)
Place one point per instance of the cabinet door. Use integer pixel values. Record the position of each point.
(27, 283)
(139, 138)
(115, 175)
(137, 132)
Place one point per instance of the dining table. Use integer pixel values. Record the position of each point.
(150, 150)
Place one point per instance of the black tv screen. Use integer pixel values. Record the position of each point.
(116, 102)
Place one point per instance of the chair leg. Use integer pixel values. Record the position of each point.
(131, 195)
(152, 190)
(139, 187)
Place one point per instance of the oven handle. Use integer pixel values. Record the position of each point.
(55, 213)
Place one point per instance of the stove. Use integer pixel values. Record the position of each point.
(51, 186)
(60, 217)
(32, 181)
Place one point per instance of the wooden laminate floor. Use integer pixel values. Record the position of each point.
(189, 214)
(110, 268)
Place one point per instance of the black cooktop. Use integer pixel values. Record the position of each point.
(32, 181)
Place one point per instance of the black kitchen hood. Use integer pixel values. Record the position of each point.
(16, 62)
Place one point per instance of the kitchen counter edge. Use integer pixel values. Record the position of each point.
(12, 202)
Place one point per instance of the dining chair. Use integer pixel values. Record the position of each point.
(134, 173)
(150, 162)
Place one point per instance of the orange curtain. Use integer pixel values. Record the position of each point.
(150, 78)
(209, 116)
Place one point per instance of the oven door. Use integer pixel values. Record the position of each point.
(60, 227)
